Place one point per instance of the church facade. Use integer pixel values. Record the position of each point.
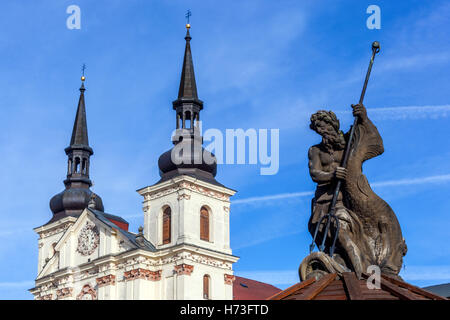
(183, 249)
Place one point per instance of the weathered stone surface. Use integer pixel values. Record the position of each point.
(369, 232)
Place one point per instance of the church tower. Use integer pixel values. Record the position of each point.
(68, 205)
(182, 252)
(75, 198)
(187, 212)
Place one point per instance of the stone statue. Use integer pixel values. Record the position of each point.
(369, 232)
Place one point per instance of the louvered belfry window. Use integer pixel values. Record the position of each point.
(204, 224)
(205, 286)
(167, 217)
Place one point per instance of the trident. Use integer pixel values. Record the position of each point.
(331, 214)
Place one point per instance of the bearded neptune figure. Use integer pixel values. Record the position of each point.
(368, 232)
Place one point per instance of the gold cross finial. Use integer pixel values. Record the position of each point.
(188, 14)
(82, 70)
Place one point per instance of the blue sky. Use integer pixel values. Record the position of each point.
(258, 64)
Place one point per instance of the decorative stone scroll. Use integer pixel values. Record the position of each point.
(64, 293)
(87, 293)
(184, 196)
(142, 274)
(229, 278)
(207, 261)
(184, 269)
(106, 280)
(46, 297)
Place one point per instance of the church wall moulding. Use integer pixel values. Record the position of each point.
(87, 293)
(106, 280)
(184, 196)
(189, 186)
(229, 278)
(52, 231)
(64, 293)
(46, 297)
(140, 273)
(184, 269)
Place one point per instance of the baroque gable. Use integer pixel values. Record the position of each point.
(85, 240)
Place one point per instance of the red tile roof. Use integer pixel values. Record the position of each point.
(247, 289)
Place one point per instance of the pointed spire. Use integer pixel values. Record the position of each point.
(79, 132)
(188, 157)
(79, 150)
(77, 195)
(188, 87)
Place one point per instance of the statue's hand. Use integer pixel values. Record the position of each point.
(341, 173)
(359, 111)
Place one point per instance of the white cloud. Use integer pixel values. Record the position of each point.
(274, 232)
(18, 284)
(388, 183)
(406, 112)
(435, 273)
(419, 60)
(274, 197)
(14, 231)
(403, 182)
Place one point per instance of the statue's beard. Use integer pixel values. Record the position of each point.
(334, 141)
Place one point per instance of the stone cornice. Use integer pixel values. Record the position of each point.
(136, 259)
(184, 269)
(141, 273)
(54, 224)
(106, 280)
(45, 297)
(54, 228)
(188, 183)
(64, 293)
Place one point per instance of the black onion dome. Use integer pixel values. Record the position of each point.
(166, 164)
(71, 202)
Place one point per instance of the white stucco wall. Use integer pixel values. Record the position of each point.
(116, 269)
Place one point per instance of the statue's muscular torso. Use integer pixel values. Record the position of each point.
(322, 167)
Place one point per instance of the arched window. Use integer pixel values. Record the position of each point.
(188, 119)
(83, 166)
(77, 165)
(69, 167)
(206, 285)
(204, 224)
(167, 225)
